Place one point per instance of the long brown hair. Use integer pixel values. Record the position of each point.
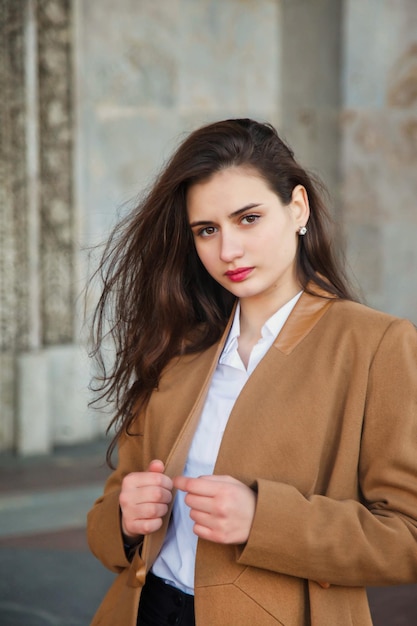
(156, 293)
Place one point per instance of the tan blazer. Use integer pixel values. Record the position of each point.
(325, 430)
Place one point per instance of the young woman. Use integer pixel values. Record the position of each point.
(266, 423)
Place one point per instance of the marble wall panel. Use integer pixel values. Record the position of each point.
(379, 150)
(229, 58)
(311, 94)
(148, 72)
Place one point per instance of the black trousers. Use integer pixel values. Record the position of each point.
(162, 605)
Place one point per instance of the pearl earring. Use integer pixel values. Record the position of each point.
(302, 230)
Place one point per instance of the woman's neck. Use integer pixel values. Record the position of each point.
(253, 315)
(255, 312)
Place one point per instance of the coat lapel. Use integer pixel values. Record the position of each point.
(270, 392)
(177, 457)
(305, 315)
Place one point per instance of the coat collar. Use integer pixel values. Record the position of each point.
(309, 309)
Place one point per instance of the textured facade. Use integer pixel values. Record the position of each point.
(37, 227)
(379, 150)
(14, 296)
(56, 206)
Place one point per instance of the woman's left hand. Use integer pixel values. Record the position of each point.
(222, 507)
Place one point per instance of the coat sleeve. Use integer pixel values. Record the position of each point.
(348, 542)
(104, 532)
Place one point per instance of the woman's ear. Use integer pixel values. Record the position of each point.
(300, 206)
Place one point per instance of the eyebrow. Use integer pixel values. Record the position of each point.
(231, 216)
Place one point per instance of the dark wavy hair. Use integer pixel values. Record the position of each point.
(156, 293)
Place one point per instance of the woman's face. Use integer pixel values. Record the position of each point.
(245, 236)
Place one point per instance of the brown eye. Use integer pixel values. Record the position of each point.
(207, 231)
(250, 219)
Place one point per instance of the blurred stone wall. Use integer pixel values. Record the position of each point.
(349, 107)
(95, 96)
(149, 71)
(312, 65)
(42, 373)
(379, 150)
(14, 297)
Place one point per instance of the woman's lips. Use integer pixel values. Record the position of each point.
(239, 274)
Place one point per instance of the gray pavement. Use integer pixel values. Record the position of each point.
(47, 575)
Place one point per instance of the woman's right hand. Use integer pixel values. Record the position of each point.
(144, 500)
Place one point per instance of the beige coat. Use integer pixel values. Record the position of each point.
(325, 430)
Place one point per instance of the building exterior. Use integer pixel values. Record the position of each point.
(96, 94)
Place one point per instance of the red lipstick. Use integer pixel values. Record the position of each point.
(239, 274)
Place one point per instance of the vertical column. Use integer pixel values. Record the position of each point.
(311, 97)
(33, 424)
(38, 395)
(32, 175)
(380, 150)
(67, 368)
(56, 172)
(14, 322)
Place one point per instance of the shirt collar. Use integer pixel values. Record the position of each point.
(271, 328)
(274, 324)
(234, 333)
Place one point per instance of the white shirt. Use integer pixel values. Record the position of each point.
(175, 562)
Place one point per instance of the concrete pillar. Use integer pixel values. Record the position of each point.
(379, 139)
(34, 427)
(68, 378)
(39, 235)
(311, 56)
(53, 400)
(14, 224)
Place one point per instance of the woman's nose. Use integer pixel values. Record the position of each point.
(231, 247)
